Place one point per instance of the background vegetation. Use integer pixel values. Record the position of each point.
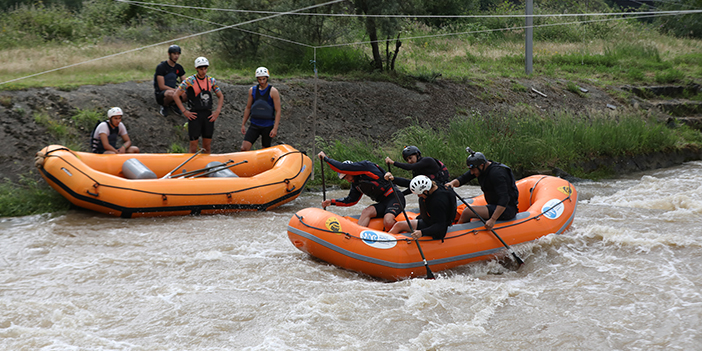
(42, 36)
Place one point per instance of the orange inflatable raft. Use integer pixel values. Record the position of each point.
(546, 204)
(142, 185)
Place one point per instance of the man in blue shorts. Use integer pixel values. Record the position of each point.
(263, 108)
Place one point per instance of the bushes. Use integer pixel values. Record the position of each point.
(31, 25)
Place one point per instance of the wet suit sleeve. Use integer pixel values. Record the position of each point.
(425, 166)
(465, 178)
(350, 199)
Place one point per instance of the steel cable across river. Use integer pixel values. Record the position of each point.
(625, 276)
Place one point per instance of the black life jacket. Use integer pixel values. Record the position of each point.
(261, 107)
(203, 100)
(376, 189)
(443, 176)
(96, 144)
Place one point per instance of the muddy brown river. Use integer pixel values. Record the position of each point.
(626, 276)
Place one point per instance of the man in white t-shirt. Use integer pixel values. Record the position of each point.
(104, 138)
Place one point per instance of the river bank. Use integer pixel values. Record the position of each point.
(365, 110)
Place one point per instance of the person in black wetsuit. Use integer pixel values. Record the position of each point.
(428, 166)
(168, 75)
(498, 185)
(437, 209)
(367, 178)
(263, 110)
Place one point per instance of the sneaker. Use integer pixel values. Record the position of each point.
(163, 111)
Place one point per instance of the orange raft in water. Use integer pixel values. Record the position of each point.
(252, 180)
(546, 204)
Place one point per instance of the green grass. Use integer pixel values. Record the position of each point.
(28, 197)
(524, 140)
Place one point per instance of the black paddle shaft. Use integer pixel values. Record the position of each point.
(430, 275)
(324, 186)
(519, 260)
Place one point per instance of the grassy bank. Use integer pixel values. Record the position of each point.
(29, 197)
(524, 140)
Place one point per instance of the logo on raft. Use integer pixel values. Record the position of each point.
(553, 209)
(333, 224)
(566, 190)
(378, 240)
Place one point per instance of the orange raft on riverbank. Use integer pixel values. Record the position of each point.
(252, 180)
(546, 204)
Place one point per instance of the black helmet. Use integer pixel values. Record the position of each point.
(174, 49)
(409, 151)
(475, 159)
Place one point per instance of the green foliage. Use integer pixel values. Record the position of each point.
(85, 120)
(177, 148)
(669, 76)
(524, 140)
(29, 197)
(28, 25)
(684, 25)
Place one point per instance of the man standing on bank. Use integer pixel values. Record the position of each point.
(198, 89)
(263, 107)
(168, 75)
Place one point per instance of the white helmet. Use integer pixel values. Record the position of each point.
(201, 61)
(262, 72)
(420, 184)
(115, 111)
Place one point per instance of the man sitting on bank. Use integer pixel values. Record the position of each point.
(104, 137)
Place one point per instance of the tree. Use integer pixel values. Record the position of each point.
(387, 26)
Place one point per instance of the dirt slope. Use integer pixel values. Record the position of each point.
(364, 109)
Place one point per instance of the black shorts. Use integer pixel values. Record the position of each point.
(390, 205)
(159, 97)
(254, 131)
(509, 212)
(201, 126)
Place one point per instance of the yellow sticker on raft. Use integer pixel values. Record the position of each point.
(333, 224)
(566, 190)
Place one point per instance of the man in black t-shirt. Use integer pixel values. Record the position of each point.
(166, 79)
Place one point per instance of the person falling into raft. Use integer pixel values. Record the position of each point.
(367, 178)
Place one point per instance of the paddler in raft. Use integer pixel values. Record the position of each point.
(367, 178)
(437, 209)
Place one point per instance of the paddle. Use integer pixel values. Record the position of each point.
(324, 186)
(218, 168)
(168, 175)
(519, 260)
(430, 275)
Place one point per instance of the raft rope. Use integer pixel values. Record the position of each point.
(408, 240)
(228, 193)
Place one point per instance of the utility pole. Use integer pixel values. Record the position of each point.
(529, 34)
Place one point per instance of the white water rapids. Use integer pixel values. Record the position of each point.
(626, 276)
